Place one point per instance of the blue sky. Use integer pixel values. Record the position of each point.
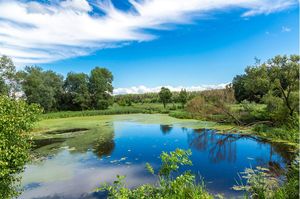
(210, 46)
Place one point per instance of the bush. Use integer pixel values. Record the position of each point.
(290, 188)
(182, 186)
(180, 114)
(282, 133)
(16, 118)
(262, 185)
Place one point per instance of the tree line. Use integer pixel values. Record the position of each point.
(78, 91)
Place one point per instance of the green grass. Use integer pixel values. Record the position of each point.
(174, 110)
(115, 110)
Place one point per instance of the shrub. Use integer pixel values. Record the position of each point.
(180, 114)
(182, 186)
(16, 118)
(260, 183)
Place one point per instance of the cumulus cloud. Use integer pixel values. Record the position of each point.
(143, 89)
(34, 32)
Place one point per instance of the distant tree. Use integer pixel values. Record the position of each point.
(183, 97)
(8, 77)
(165, 96)
(100, 86)
(76, 88)
(42, 87)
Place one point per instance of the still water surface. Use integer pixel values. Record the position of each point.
(70, 173)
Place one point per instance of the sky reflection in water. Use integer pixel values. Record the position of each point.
(217, 158)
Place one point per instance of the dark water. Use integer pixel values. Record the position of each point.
(72, 173)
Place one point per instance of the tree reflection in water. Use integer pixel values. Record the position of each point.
(165, 129)
(104, 148)
(223, 147)
(220, 147)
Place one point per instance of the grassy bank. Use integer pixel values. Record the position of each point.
(148, 108)
(274, 134)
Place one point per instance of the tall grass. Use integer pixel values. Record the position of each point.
(114, 110)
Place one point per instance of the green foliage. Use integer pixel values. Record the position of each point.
(183, 97)
(290, 188)
(110, 111)
(42, 87)
(182, 186)
(100, 85)
(165, 96)
(260, 183)
(78, 92)
(277, 133)
(76, 88)
(180, 114)
(8, 77)
(275, 83)
(16, 118)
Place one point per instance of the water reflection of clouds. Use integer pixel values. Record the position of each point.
(95, 158)
(68, 177)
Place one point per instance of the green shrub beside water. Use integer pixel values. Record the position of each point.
(16, 119)
(182, 186)
(261, 184)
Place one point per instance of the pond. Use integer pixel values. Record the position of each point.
(77, 161)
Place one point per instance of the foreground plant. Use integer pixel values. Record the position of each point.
(16, 119)
(168, 186)
(259, 183)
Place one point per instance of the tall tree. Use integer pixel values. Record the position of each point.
(284, 81)
(76, 87)
(100, 85)
(165, 96)
(253, 85)
(183, 97)
(42, 87)
(8, 77)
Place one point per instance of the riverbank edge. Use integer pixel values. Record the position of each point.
(201, 124)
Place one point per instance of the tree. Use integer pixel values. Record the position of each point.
(8, 78)
(42, 87)
(165, 96)
(100, 86)
(76, 88)
(183, 96)
(240, 91)
(284, 80)
(253, 85)
(16, 119)
(275, 83)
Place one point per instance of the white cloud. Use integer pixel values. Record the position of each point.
(143, 89)
(33, 32)
(285, 29)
